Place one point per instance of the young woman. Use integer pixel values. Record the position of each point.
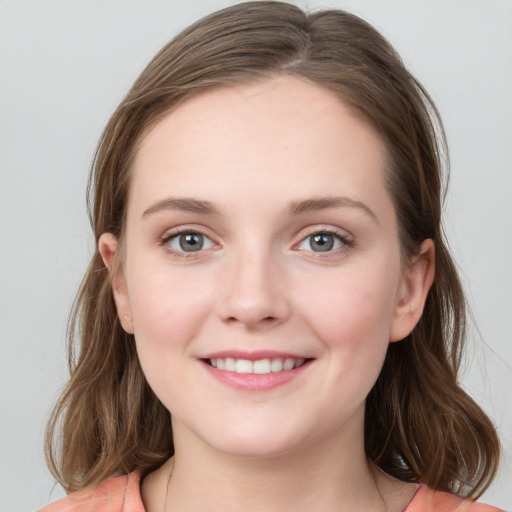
(271, 320)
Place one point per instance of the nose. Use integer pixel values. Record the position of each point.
(253, 292)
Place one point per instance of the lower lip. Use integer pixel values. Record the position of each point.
(254, 381)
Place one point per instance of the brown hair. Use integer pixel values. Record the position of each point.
(420, 425)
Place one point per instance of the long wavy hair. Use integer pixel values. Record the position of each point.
(419, 423)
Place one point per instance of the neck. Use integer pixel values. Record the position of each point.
(334, 476)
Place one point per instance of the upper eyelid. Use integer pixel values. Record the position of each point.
(317, 229)
(344, 236)
(302, 234)
(174, 232)
(171, 234)
(167, 238)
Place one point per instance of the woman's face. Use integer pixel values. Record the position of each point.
(262, 267)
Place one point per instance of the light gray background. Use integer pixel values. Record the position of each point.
(64, 66)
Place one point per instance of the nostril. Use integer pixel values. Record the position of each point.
(252, 309)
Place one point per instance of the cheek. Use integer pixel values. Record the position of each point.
(168, 313)
(168, 308)
(352, 305)
(351, 315)
(353, 323)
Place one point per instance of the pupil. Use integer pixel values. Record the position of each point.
(191, 242)
(322, 242)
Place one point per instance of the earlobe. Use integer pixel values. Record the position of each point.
(108, 247)
(417, 280)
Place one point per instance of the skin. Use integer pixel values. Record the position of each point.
(257, 153)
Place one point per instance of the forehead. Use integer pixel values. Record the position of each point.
(282, 134)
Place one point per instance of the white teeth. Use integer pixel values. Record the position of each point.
(276, 365)
(288, 364)
(260, 366)
(244, 366)
(229, 364)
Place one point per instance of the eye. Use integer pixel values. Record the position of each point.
(189, 241)
(322, 242)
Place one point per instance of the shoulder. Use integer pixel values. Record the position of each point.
(119, 494)
(428, 500)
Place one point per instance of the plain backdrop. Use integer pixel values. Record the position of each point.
(65, 65)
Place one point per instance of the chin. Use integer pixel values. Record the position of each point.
(257, 449)
(245, 441)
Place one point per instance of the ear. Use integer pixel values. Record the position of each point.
(416, 282)
(108, 248)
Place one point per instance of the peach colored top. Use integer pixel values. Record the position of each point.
(122, 494)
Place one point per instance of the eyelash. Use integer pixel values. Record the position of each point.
(346, 241)
(167, 238)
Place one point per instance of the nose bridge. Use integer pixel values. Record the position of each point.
(253, 286)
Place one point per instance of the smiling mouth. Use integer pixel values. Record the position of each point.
(257, 367)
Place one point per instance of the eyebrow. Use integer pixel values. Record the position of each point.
(296, 207)
(183, 204)
(322, 203)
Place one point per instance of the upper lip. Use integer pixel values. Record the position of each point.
(253, 355)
